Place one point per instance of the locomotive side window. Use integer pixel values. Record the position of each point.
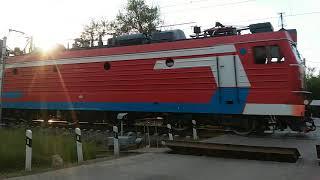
(267, 54)
(260, 54)
(275, 55)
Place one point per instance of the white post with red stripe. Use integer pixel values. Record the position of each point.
(28, 150)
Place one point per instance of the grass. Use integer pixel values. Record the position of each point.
(45, 144)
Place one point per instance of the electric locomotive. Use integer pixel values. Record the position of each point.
(218, 76)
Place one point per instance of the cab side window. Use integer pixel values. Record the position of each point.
(267, 54)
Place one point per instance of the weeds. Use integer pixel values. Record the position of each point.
(45, 144)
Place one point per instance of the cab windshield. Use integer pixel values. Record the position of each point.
(296, 53)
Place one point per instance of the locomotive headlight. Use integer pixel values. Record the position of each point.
(306, 102)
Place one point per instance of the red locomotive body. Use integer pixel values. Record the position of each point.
(256, 76)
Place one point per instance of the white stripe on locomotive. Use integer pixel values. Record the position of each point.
(132, 56)
(270, 109)
(227, 68)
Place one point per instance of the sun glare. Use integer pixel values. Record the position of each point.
(45, 44)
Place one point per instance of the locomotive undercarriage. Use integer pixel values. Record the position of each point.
(239, 124)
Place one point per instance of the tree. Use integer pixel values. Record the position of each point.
(93, 32)
(313, 83)
(17, 51)
(137, 17)
(81, 42)
(104, 28)
(58, 48)
(89, 32)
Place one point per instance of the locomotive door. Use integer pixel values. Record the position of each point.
(227, 80)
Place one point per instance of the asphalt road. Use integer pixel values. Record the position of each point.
(160, 166)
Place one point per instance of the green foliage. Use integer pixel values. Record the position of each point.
(45, 144)
(17, 51)
(92, 32)
(81, 42)
(11, 150)
(313, 83)
(137, 17)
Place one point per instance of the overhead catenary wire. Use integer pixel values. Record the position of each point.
(187, 3)
(210, 6)
(232, 4)
(276, 17)
(178, 24)
(313, 62)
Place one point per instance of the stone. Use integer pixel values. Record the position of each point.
(57, 161)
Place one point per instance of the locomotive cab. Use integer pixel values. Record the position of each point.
(276, 73)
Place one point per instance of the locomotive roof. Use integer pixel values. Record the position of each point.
(183, 44)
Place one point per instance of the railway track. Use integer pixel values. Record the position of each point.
(151, 127)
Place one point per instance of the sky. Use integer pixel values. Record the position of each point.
(59, 21)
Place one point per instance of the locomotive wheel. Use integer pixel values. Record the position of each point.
(246, 127)
(179, 126)
(179, 122)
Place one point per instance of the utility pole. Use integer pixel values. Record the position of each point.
(31, 44)
(3, 53)
(281, 19)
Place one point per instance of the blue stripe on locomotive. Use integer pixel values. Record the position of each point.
(224, 101)
(12, 95)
